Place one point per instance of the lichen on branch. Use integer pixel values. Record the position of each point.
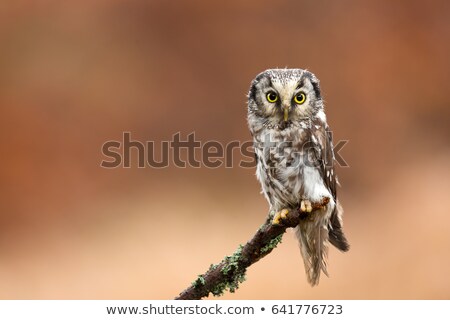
(230, 272)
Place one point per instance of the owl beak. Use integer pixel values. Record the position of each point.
(286, 113)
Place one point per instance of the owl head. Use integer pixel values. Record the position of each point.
(279, 97)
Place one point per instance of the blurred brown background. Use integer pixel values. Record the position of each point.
(76, 74)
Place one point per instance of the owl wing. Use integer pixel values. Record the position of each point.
(323, 146)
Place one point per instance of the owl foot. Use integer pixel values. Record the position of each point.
(306, 206)
(280, 216)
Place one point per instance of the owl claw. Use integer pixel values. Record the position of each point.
(305, 206)
(279, 216)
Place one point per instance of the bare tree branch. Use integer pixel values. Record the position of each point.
(231, 270)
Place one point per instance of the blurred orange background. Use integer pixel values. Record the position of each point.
(76, 74)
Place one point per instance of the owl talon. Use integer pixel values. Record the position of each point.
(305, 206)
(280, 216)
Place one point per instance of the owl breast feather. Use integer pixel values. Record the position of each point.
(282, 158)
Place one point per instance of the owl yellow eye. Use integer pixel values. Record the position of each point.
(272, 97)
(300, 98)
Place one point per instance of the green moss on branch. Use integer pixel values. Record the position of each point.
(230, 272)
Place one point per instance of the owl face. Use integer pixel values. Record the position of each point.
(282, 96)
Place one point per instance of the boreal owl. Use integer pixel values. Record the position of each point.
(295, 160)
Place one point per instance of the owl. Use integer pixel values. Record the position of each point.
(294, 155)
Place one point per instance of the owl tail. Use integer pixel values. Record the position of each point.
(313, 238)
